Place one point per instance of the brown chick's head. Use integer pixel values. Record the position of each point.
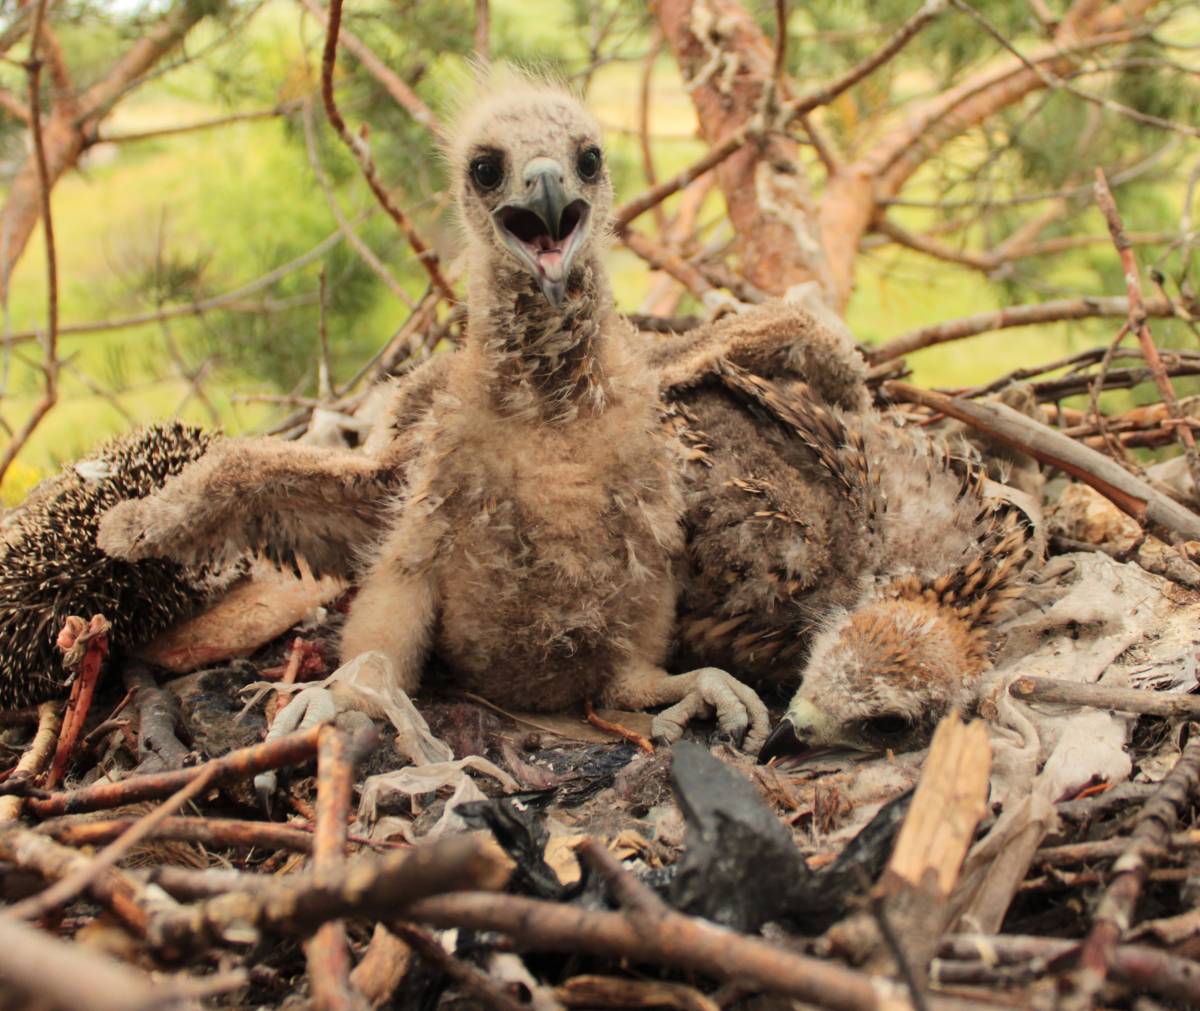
(880, 677)
(882, 674)
(532, 186)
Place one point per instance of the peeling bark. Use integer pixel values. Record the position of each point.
(726, 62)
(783, 237)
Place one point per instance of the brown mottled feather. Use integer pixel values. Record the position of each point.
(829, 547)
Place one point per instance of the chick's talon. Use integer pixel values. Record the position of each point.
(740, 712)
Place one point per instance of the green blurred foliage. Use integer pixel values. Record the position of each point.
(170, 221)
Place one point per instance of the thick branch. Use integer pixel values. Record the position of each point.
(854, 195)
(162, 37)
(663, 937)
(1048, 446)
(728, 71)
(55, 973)
(69, 126)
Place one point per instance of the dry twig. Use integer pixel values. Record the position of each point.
(112, 888)
(64, 890)
(245, 762)
(649, 932)
(1142, 967)
(1016, 315)
(358, 148)
(1114, 915)
(1130, 493)
(1032, 688)
(217, 833)
(485, 991)
(370, 886)
(1137, 320)
(327, 950)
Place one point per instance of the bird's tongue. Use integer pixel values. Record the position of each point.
(551, 262)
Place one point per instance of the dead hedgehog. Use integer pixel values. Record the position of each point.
(50, 566)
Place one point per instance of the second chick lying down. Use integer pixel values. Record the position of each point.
(834, 549)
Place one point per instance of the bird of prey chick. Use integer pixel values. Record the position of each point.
(527, 525)
(829, 547)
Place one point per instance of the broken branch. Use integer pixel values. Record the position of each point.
(1128, 492)
(1031, 688)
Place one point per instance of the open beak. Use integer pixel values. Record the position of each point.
(544, 228)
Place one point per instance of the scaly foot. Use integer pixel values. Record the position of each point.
(739, 711)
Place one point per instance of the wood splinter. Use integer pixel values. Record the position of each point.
(912, 900)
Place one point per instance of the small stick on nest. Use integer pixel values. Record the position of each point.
(600, 723)
(84, 646)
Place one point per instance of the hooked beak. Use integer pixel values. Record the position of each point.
(544, 228)
(782, 742)
(803, 733)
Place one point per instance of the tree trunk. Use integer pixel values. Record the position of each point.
(726, 61)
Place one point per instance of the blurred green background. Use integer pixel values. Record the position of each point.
(167, 221)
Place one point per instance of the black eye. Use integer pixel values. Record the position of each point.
(888, 725)
(588, 163)
(487, 171)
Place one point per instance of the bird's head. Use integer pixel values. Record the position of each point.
(880, 677)
(532, 183)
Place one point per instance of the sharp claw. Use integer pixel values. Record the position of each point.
(665, 731)
(264, 787)
(739, 712)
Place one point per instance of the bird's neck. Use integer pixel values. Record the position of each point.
(541, 362)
